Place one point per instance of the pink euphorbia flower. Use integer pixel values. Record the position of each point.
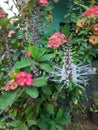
(28, 54)
(23, 78)
(91, 11)
(11, 32)
(11, 85)
(2, 13)
(43, 2)
(56, 40)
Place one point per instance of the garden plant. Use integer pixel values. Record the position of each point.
(44, 71)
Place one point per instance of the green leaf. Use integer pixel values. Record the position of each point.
(64, 120)
(79, 126)
(7, 98)
(41, 52)
(22, 126)
(15, 123)
(42, 123)
(47, 90)
(59, 114)
(81, 5)
(36, 52)
(31, 122)
(21, 64)
(53, 127)
(59, 127)
(40, 82)
(66, 29)
(4, 22)
(45, 66)
(50, 108)
(33, 92)
(20, 34)
(30, 6)
(46, 57)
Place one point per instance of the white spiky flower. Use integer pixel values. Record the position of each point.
(70, 72)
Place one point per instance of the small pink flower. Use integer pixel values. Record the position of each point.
(2, 13)
(11, 32)
(56, 40)
(91, 11)
(19, 75)
(20, 82)
(29, 75)
(29, 82)
(43, 2)
(23, 78)
(11, 85)
(28, 54)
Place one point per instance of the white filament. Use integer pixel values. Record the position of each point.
(78, 74)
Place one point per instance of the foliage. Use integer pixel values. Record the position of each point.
(79, 127)
(94, 106)
(39, 100)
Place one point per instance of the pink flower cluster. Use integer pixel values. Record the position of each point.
(23, 78)
(2, 13)
(56, 40)
(11, 85)
(43, 2)
(91, 11)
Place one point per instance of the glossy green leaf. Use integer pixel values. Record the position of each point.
(81, 5)
(31, 122)
(40, 82)
(46, 90)
(21, 64)
(31, 91)
(59, 114)
(53, 126)
(7, 98)
(50, 108)
(66, 29)
(36, 52)
(22, 126)
(59, 127)
(64, 120)
(45, 66)
(46, 57)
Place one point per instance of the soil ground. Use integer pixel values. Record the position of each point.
(82, 123)
(85, 124)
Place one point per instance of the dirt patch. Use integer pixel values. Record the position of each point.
(82, 123)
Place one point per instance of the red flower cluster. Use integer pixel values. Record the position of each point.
(56, 40)
(43, 2)
(23, 78)
(91, 11)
